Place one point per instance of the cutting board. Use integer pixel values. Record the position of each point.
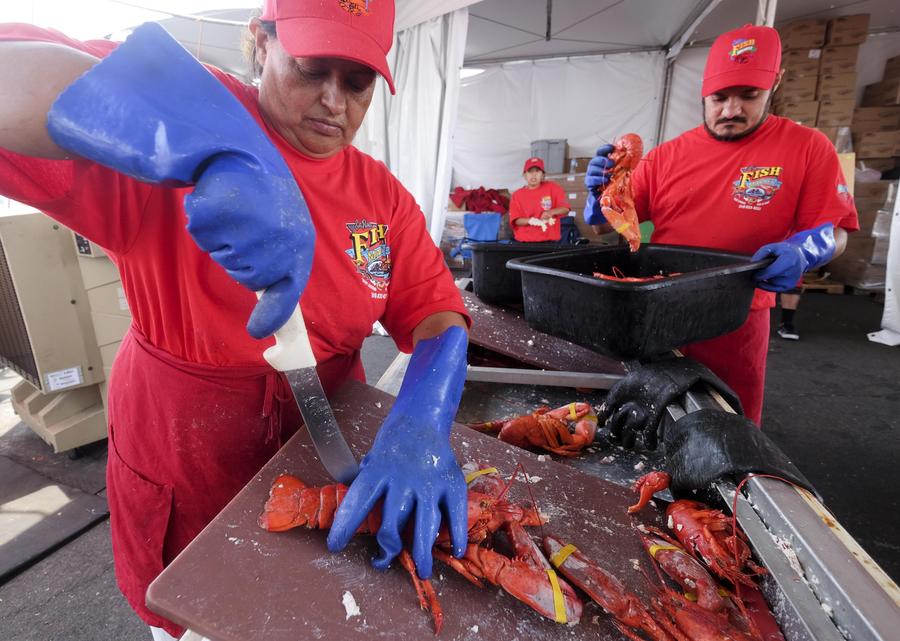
(236, 582)
(506, 332)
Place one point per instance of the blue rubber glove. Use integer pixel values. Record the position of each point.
(595, 179)
(801, 252)
(152, 112)
(411, 464)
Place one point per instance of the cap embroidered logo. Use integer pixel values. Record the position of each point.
(742, 50)
(357, 9)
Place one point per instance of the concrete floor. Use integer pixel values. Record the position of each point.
(832, 403)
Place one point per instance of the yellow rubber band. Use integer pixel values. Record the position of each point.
(690, 596)
(562, 554)
(656, 548)
(623, 227)
(724, 592)
(474, 475)
(559, 606)
(572, 413)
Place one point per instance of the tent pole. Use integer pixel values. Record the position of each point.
(672, 50)
(664, 103)
(765, 12)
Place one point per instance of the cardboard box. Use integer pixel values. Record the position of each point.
(835, 113)
(882, 94)
(879, 164)
(841, 86)
(577, 165)
(878, 144)
(829, 132)
(569, 182)
(891, 68)
(857, 272)
(868, 119)
(872, 196)
(577, 199)
(847, 162)
(848, 30)
(803, 112)
(838, 60)
(797, 89)
(803, 34)
(868, 248)
(801, 62)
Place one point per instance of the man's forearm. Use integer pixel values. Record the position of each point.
(436, 324)
(840, 241)
(34, 74)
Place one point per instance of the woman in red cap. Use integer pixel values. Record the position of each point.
(204, 190)
(743, 181)
(535, 209)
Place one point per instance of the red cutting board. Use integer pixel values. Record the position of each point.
(236, 582)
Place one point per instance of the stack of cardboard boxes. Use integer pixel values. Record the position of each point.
(876, 141)
(876, 123)
(864, 263)
(576, 193)
(819, 84)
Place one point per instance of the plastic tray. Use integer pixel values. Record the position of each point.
(492, 281)
(629, 320)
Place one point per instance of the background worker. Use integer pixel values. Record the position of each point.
(744, 181)
(191, 180)
(790, 302)
(535, 209)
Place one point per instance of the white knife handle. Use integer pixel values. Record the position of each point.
(291, 349)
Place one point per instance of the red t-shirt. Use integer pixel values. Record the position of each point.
(374, 259)
(531, 203)
(741, 195)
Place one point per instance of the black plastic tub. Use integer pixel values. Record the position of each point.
(492, 281)
(633, 320)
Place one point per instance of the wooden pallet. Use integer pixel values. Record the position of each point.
(819, 284)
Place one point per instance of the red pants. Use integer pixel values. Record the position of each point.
(739, 359)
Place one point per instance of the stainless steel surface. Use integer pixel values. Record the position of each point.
(862, 601)
(821, 585)
(323, 429)
(551, 378)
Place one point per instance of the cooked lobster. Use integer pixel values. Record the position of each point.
(564, 431)
(617, 200)
(292, 503)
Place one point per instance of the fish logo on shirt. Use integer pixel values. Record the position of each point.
(371, 255)
(742, 50)
(546, 203)
(756, 186)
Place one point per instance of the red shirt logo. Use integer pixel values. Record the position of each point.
(756, 186)
(371, 255)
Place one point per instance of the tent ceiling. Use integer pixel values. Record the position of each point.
(581, 27)
(577, 27)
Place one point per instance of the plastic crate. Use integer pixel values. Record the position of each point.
(553, 152)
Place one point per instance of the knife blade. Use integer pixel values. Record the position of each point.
(293, 356)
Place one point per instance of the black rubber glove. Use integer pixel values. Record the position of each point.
(706, 445)
(636, 404)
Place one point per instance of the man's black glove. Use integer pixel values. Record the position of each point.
(705, 445)
(637, 403)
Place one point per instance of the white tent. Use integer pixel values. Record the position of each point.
(583, 70)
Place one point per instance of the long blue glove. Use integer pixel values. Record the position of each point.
(597, 176)
(151, 111)
(801, 252)
(411, 464)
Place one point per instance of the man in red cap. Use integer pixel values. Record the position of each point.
(204, 190)
(744, 181)
(534, 209)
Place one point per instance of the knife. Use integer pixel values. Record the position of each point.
(293, 356)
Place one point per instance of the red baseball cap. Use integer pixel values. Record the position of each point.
(531, 163)
(745, 57)
(357, 30)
